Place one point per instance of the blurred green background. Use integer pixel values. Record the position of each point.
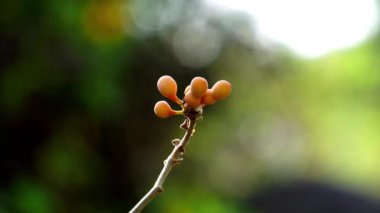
(78, 86)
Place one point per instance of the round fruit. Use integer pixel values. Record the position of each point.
(187, 89)
(221, 89)
(198, 86)
(207, 98)
(168, 88)
(163, 110)
(191, 100)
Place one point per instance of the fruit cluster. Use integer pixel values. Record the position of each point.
(197, 94)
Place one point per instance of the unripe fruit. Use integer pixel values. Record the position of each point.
(207, 98)
(221, 89)
(191, 100)
(198, 86)
(168, 88)
(187, 89)
(163, 110)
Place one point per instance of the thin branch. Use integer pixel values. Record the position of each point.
(171, 161)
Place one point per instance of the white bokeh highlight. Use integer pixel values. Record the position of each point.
(311, 28)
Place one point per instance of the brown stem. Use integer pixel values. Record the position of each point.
(172, 160)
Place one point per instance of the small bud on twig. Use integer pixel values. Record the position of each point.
(185, 124)
(176, 141)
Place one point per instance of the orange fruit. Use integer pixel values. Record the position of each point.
(163, 110)
(168, 88)
(198, 86)
(207, 98)
(221, 89)
(187, 89)
(191, 100)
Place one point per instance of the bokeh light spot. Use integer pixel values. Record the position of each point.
(309, 28)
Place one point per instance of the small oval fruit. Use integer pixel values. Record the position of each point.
(191, 100)
(168, 88)
(163, 110)
(198, 86)
(221, 89)
(207, 98)
(187, 89)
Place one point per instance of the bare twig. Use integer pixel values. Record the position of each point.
(171, 161)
